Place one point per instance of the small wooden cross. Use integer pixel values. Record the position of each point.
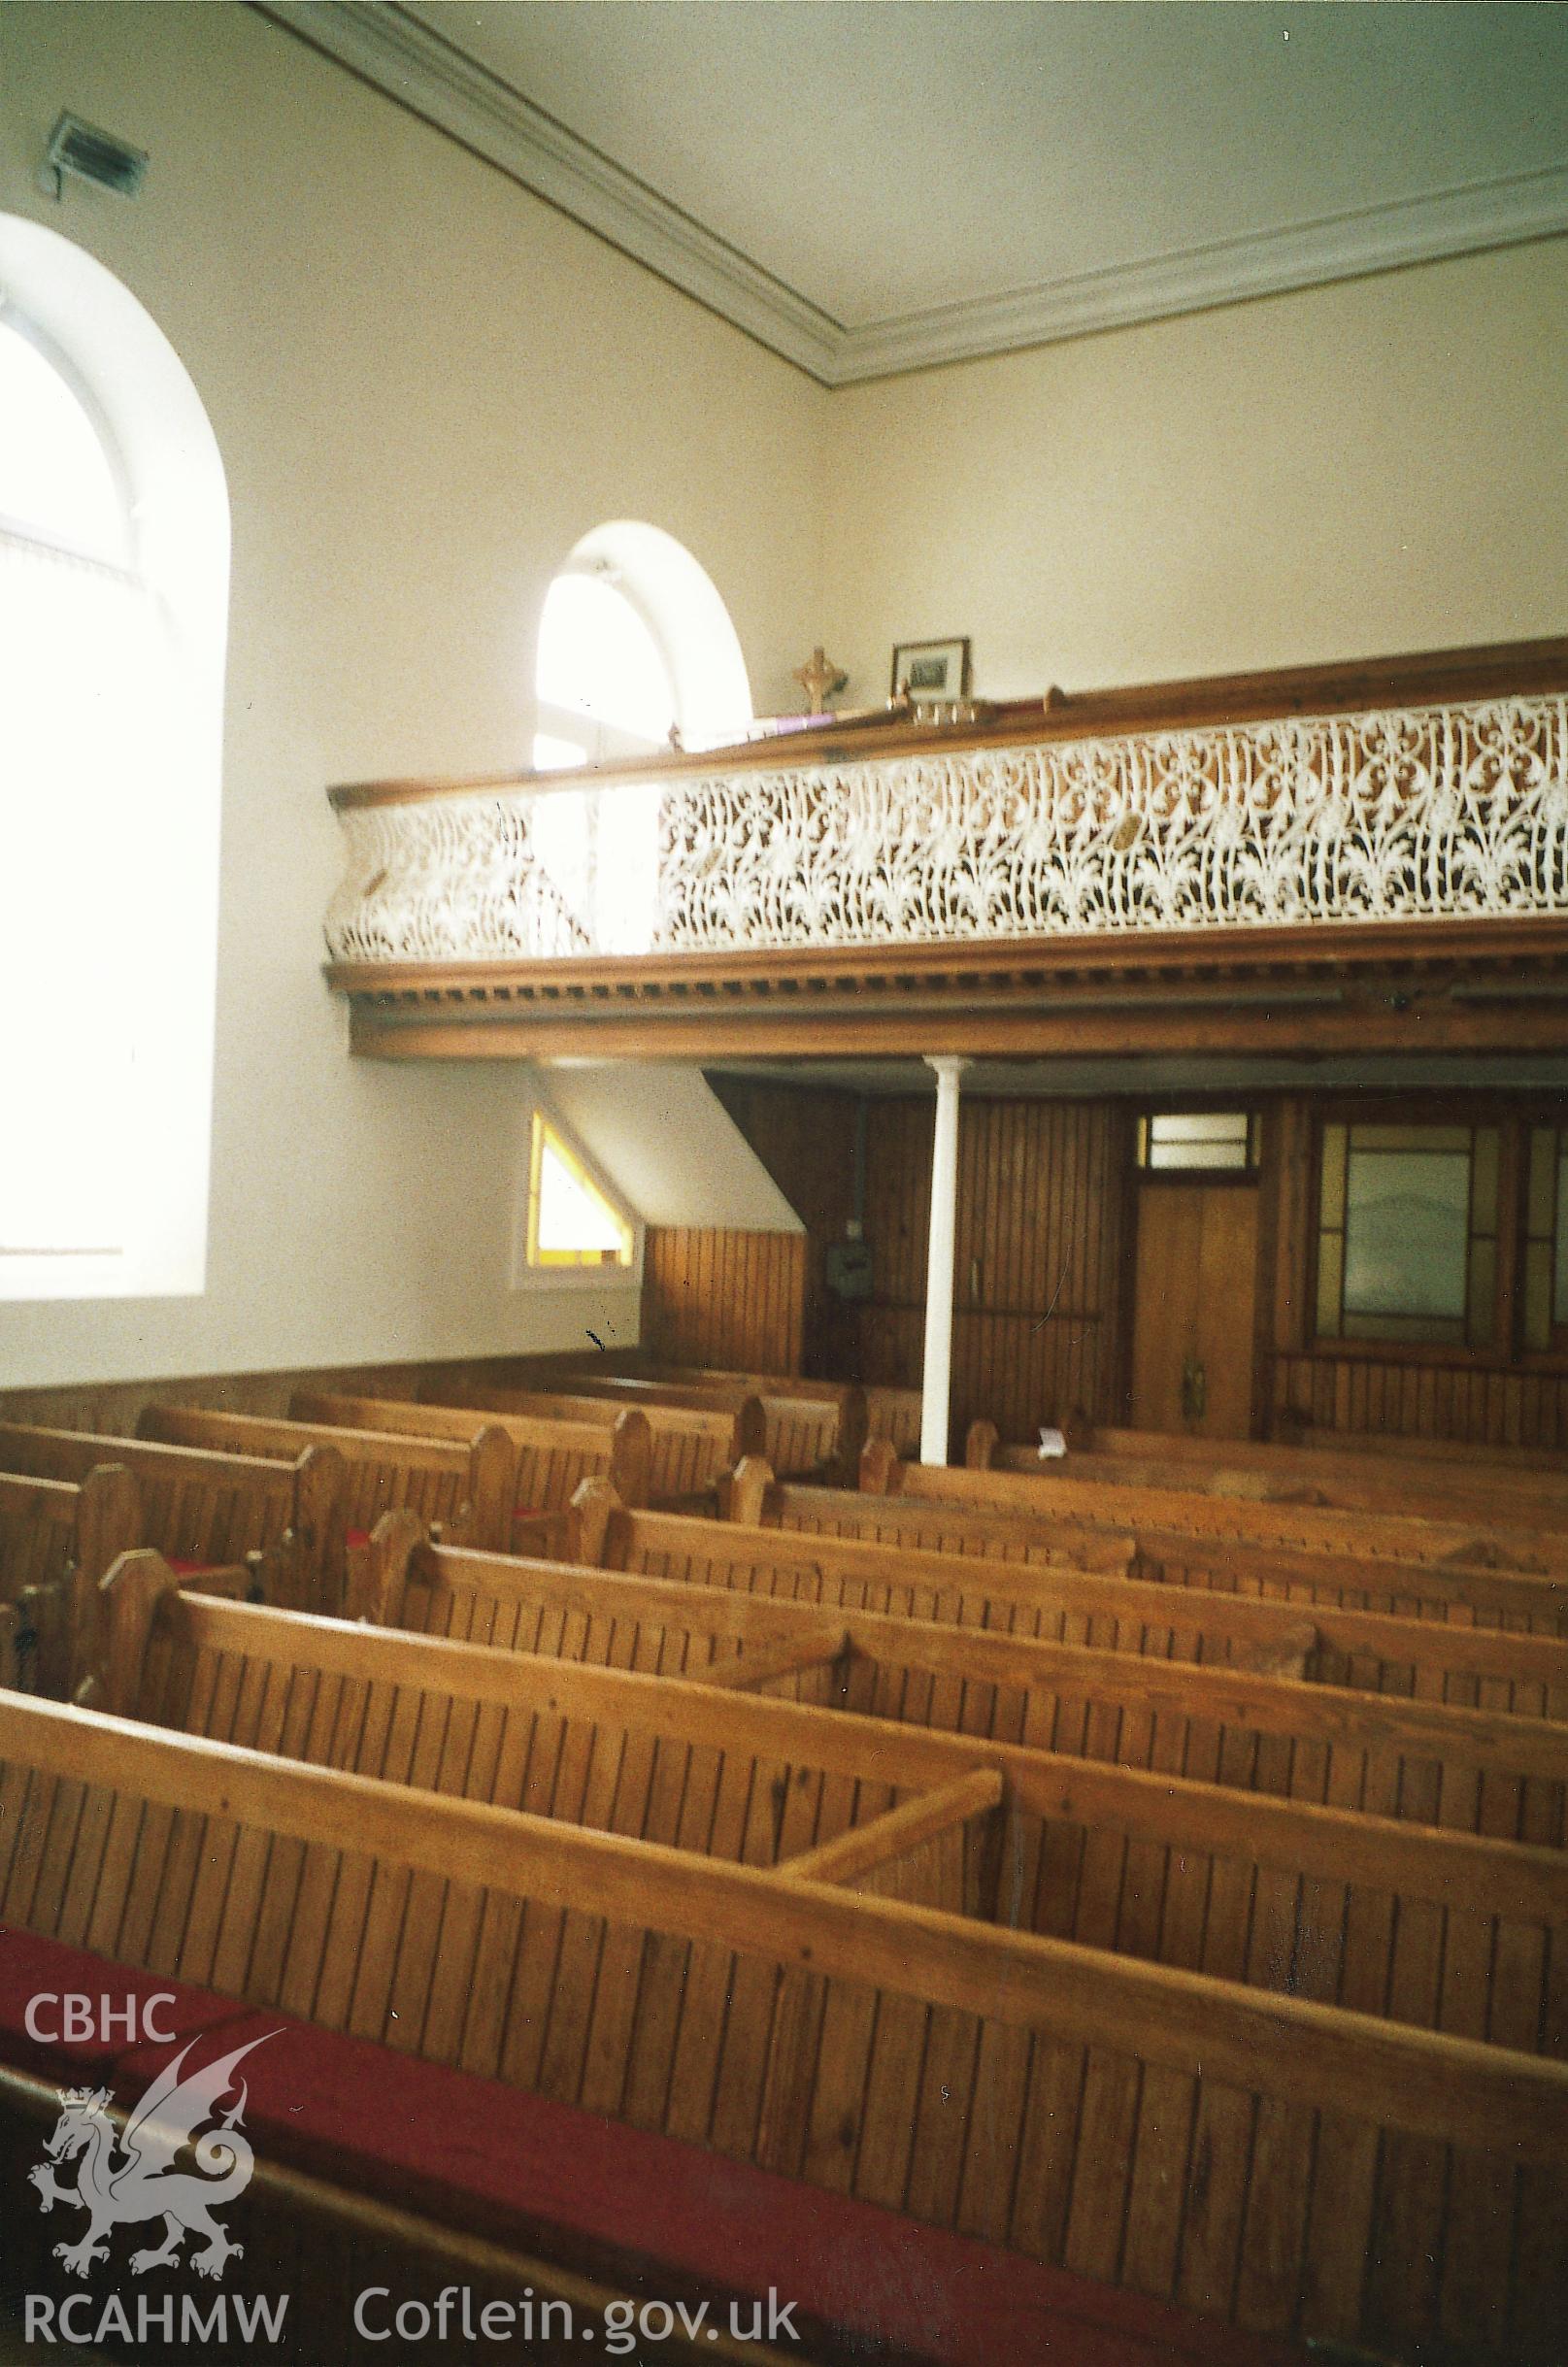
(820, 679)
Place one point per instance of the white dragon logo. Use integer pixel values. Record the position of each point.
(144, 2185)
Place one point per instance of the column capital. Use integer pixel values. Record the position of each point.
(948, 1064)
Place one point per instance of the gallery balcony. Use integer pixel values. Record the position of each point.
(1356, 859)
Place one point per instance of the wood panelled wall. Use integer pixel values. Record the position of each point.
(723, 1298)
(1043, 1313)
(1041, 1192)
(1037, 1300)
(1418, 1399)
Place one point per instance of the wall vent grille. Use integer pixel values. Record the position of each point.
(87, 154)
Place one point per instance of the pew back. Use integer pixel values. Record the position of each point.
(1397, 1537)
(948, 1521)
(1423, 1761)
(467, 1488)
(209, 1505)
(553, 1456)
(810, 1423)
(692, 1446)
(1453, 1490)
(891, 1412)
(1214, 1884)
(1246, 2152)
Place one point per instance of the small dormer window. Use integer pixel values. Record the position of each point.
(575, 1222)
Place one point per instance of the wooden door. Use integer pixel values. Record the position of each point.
(1194, 1309)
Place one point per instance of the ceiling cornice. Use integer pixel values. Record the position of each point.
(383, 45)
(386, 46)
(1503, 213)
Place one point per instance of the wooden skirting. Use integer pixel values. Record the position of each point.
(1482, 1406)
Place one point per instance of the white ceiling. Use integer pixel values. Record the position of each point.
(877, 184)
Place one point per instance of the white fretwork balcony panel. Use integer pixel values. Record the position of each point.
(1438, 813)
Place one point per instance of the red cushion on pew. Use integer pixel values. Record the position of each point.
(31, 1967)
(356, 1536)
(190, 1569)
(641, 2210)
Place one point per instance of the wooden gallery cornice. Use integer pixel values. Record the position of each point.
(1480, 981)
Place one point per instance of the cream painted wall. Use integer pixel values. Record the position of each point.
(1351, 471)
(425, 385)
(660, 1133)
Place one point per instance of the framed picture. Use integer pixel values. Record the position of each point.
(931, 670)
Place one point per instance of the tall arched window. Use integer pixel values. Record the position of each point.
(634, 639)
(113, 583)
(605, 689)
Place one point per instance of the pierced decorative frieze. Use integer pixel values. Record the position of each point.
(1437, 813)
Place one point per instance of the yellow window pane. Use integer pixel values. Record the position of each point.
(571, 1222)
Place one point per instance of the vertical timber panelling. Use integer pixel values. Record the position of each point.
(724, 1298)
(1042, 1305)
(1412, 1398)
(805, 1139)
(1037, 1285)
(1042, 1208)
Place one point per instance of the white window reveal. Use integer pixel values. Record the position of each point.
(634, 644)
(114, 584)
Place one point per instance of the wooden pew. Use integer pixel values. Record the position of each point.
(1482, 1770)
(692, 1446)
(1401, 1537)
(554, 1457)
(1450, 1489)
(808, 1428)
(803, 1539)
(59, 1539)
(952, 1518)
(210, 1507)
(450, 1715)
(1265, 2159)
(466, 1486)
(890, 1413)
(1520, 1675)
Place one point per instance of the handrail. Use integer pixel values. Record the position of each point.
(1490, 669)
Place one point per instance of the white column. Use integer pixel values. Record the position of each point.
(936, 1382)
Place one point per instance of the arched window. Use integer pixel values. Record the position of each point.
(634, 637)
(113, 584)
(605, 685)
(634, 640)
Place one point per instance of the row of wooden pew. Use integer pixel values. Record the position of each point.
(209, 1489)
(1516, 1485)
(1162, 1895)
(896, 1842)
